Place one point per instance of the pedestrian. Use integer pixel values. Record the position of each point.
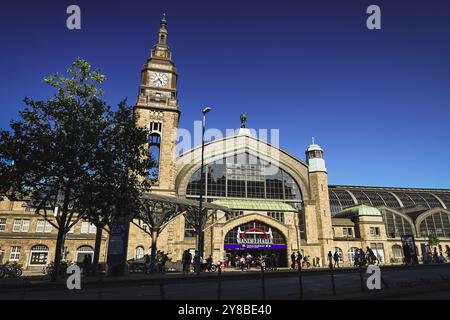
(293, 260)
(336, 258)
(147, 263)
(318, 262)
(447, 251)
(209, 263)
(249, 260)
(330, 260)
(87, 262)
(242, 263)
(299, 259)
(435, 256)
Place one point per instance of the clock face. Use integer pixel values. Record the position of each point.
(159, 79)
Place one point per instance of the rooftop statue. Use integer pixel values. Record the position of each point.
(243, 120)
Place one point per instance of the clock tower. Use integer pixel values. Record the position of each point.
(157, 109)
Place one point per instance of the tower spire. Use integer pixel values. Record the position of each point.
(162, 34)
(161, 50)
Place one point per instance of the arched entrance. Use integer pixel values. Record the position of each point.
(257, 239)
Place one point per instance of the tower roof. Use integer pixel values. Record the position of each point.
(314, 147)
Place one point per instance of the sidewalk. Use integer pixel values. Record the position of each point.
(39, 281)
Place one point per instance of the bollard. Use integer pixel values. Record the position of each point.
(333, 286)
(361, 278)
(219, 284)
(263, 284)
(161, 290)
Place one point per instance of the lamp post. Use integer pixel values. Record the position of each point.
(202, 190)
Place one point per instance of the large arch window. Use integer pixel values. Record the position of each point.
(436, 224)
(154, 151)
(396, 225)
(245, 176)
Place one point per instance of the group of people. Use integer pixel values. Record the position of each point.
(243, 261)
(268, 261)
(303, 261)
(362, 258)
(439, 257)
(161, 259)
(189, 262)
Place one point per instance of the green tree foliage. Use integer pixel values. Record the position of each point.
(72, 157)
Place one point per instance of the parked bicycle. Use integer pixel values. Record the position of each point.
(13, 270)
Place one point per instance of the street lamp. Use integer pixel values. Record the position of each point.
(202, 190)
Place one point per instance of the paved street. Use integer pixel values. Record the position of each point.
(411, 283)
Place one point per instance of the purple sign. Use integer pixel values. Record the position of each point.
(247, 246)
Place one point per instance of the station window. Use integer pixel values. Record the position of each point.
(189, 230)
(234, 214)
(15, 253)
(375, 231)
(279, 216)
(17, 225)
(2, 224)
(25, 225)
(347, 232)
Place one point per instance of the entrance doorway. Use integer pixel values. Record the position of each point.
(254, 240)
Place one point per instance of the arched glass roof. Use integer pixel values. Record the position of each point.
(342, 197)
(244, 176)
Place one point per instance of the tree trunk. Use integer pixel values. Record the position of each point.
(153, 252)
(98, 243)
(58, 254)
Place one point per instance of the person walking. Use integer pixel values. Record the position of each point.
(336, 258)
(293, 261)
(249, 260)
(435, 256)
(299, 259)
(447, 251)
(330, 260)
(242, 263)
(87, 263)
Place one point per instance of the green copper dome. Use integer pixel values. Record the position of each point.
(359, 211)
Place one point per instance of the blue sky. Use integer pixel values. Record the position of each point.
(378, 102)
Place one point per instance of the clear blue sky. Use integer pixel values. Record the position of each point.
(378, 102)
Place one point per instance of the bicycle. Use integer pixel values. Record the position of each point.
(13, 270)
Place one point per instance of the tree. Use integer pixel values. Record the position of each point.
(58, 150)
(121, 163)
(433, 241)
